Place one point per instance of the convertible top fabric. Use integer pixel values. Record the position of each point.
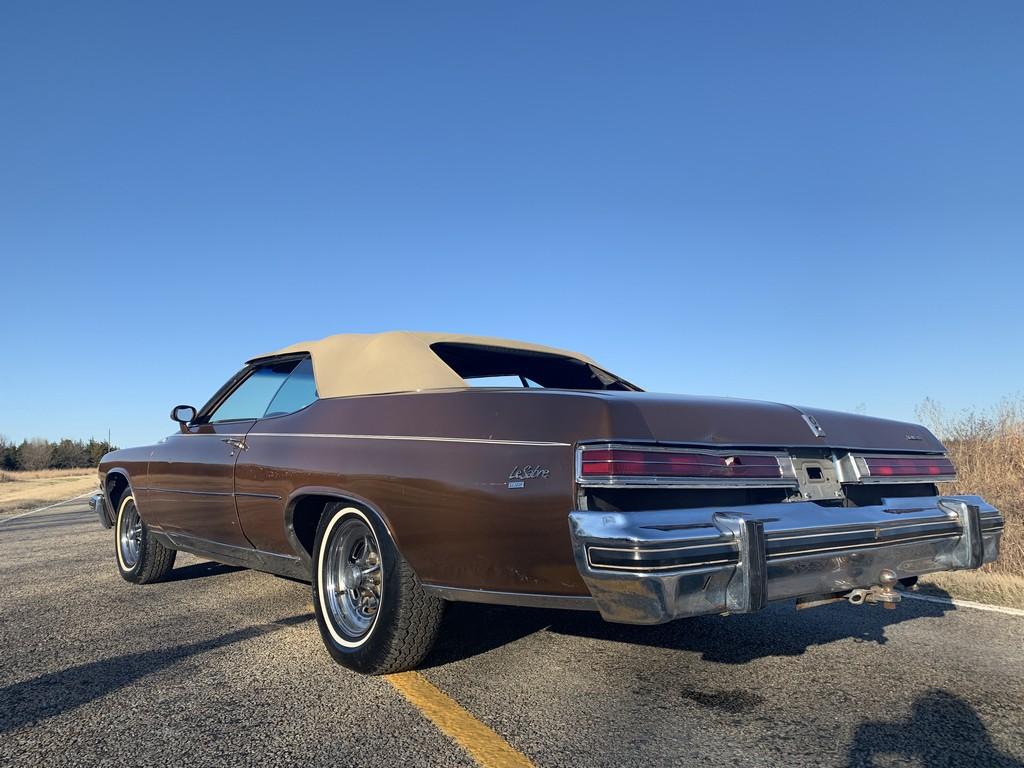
(397, 361)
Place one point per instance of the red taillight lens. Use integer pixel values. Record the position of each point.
(909, 466)
(624, 462)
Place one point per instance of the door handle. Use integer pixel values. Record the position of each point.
(235, 443)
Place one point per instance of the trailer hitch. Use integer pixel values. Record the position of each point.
(882, 593)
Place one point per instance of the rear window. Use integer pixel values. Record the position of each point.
(501, 367)
(501, 381)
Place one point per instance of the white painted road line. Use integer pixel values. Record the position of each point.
(49, 506)
(967, 604)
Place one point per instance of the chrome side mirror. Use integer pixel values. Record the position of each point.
(183, 414)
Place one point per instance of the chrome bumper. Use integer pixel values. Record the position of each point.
(652, 567)
(98, 504)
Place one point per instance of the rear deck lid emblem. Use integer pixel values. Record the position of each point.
(815, 427)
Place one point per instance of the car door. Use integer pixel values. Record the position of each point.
(267, 469)
(191, 484)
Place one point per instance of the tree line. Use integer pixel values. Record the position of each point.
(39, 453)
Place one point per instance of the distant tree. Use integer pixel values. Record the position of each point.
(39, 453)
(8, 454)
(35, 454)
(11, 458)
(96, 450)
(68, 454)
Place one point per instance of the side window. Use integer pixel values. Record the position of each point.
(251, 398)
(298, 391)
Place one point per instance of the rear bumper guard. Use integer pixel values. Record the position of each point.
(652, 567)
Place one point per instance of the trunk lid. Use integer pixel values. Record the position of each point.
(734, 422)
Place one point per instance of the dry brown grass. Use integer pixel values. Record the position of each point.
(27, 490)
(37, 474)
(988, 450)
(994, 588)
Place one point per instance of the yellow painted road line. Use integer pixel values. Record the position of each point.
(483, 744)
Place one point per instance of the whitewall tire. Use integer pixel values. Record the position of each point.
(373, 614)
(141, 559)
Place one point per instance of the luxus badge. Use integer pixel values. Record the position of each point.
(517, 477)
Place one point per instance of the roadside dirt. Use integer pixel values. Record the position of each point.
(1004, 589)
(30, 491)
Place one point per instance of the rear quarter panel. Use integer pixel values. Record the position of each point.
(436, 467)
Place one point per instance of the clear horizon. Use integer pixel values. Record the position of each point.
(813, 204)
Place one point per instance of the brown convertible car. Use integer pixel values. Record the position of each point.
(401, 470)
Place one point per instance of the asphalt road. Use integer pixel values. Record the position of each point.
(223, 666)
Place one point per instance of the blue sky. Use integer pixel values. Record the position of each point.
(820, 203)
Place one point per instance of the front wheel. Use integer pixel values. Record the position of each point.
(141, 559)
(373, 613)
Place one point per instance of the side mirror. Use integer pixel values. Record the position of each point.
(183, 414)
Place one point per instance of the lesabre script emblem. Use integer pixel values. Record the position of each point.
(517, 477)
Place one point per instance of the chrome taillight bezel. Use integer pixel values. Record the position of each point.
(787, 473)
(854, 469)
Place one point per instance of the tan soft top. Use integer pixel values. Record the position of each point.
(397, 361)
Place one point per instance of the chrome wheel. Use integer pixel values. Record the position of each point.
(129, 534)
(351, 578)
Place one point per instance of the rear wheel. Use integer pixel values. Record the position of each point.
(373, 613)
(141, 559)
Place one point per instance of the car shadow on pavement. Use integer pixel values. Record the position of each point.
(31, 701)
(469, 629)
(779, 630)
(201, 571)
(925, 738)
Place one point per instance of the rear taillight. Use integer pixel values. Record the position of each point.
(629, 465)
(897, 469)
(938, 466)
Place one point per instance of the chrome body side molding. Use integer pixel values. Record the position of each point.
(247, 557)
(236, 494)
(521, 599)
(414, 438)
